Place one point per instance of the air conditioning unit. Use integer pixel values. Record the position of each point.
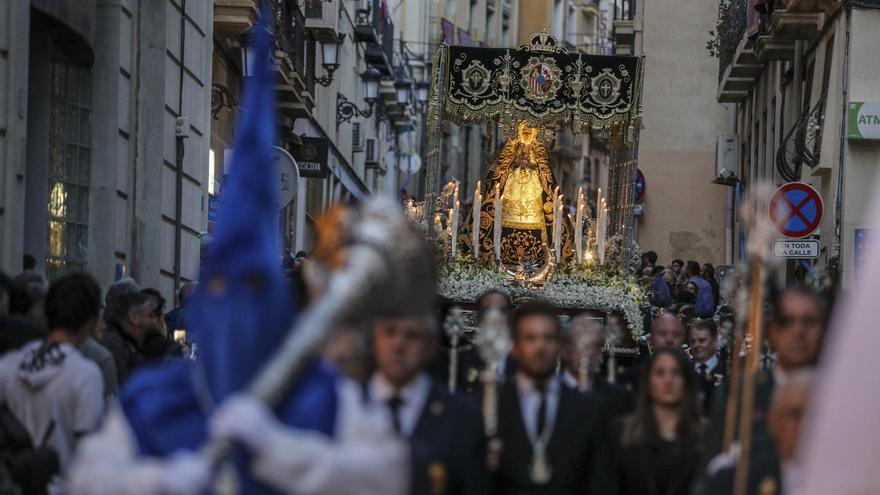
(726, 159)
(372, 158)
(357, 137)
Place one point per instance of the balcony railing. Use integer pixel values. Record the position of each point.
(377, 31)
(729, 32)
(624, 10)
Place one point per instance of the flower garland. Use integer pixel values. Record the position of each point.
(568, 287)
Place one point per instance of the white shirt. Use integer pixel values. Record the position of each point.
(414, 396)
(530, 402)
(710, 363)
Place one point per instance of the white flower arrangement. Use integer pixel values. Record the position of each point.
(569, 287)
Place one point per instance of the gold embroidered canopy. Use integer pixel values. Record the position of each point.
(542, 84)
(539, 83)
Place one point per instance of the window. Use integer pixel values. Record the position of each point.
(69, 164)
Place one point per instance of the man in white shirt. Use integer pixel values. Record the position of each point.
(551, 436)
(445, 433)
(50, 387)
(708, 367)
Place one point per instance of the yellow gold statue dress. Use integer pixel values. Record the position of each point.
(523, 175)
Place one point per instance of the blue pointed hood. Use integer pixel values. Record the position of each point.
(242, 307)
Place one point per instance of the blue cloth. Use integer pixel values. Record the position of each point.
(705, 307)
(242, 308)
(662, 297)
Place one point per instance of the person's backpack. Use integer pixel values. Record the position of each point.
(30, 468)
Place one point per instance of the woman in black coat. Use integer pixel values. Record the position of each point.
(658, 449)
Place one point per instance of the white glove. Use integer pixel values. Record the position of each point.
(185, 473)
(724, 460)
(246, 420)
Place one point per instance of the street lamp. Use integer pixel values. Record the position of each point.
(345, 109)
(330, 58)
(248, 54)
(371, 78)
(422, 88)
(402, 87)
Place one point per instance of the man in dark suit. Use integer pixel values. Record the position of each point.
(710, 369)
(445, 432)
(551, 436)
(582, 342)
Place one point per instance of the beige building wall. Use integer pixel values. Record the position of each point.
(684, 214)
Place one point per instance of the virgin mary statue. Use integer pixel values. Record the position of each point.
(521, 173)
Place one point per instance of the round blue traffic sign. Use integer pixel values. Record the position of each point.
(796, 210)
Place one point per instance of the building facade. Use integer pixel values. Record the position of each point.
(800, 73)
(104, 126)
(684, 214)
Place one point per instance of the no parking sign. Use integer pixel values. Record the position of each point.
(796, 210)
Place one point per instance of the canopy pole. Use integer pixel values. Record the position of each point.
(436, 103)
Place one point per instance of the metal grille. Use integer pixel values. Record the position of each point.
(69, 163)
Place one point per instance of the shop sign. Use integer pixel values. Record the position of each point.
(311, 157)
(863, 120)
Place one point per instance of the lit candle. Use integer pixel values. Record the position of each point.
(499, 208)
(438, 225)
(578, 227)
(602, 230)
(558, 245)
(475, 228)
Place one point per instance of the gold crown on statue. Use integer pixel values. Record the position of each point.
(543, 42)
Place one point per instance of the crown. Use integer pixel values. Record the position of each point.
(542, 42)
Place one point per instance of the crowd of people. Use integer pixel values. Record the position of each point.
(563, 422)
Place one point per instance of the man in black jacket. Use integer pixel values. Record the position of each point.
(582, 342)
(550, 435)
(445, 432)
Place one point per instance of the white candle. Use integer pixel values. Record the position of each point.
(438, 225)
(475, 228)
(602, 229)
(578, 227)
(496, 237)
(558, 245)
(456, 207)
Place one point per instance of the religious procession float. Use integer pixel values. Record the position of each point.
(516, 230)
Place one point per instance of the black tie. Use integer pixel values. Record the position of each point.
(542, 413)
(703, 368)
(394, 404)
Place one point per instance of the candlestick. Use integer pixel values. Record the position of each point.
(496, 233)
(475, 228)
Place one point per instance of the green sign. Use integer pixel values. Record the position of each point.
(864, 120)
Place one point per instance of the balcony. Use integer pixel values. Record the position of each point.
(788, 25)
(295, 56)
(623, 28)
(739, 73)
(810, 6)
(377, 32)
(590, 8)
(321, 19)
(234, 17)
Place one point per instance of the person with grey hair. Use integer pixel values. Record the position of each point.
(445, 432)
(129, 315)
(582, 342)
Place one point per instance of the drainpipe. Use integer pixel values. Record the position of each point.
(182, 133)
(730, 204)
(841, 175)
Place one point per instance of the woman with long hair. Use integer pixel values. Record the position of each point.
(658, 449)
